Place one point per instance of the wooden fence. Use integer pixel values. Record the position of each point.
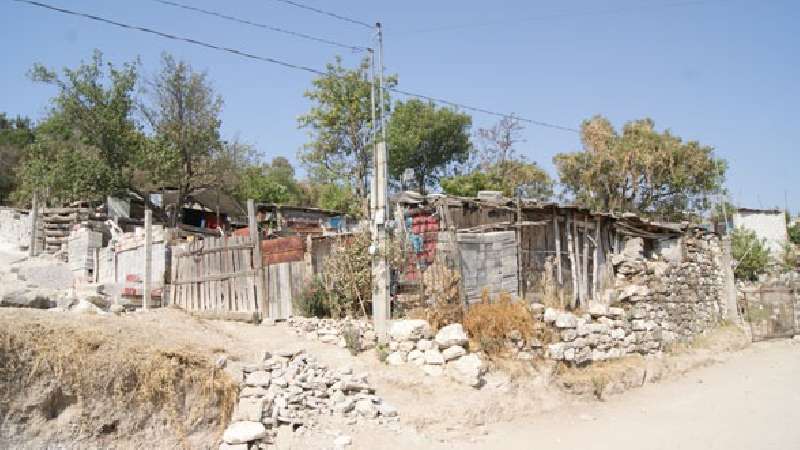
(216, 275)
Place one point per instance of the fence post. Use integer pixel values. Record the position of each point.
(34, 223)
(255, 236)
(148, 257)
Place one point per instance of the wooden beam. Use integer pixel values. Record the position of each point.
(557, 235)
(148, 257)
(596, 258)
(255, 236)
(572, 262)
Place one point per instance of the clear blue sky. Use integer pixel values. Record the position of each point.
(724, 73)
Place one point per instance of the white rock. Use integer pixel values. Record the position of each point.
(451, 335)
(550, 315)
(396, 359)
(243, 432)
(556, 351)
(259, 378)
(426, 344)
(434, 357)
(569, 354)
(249, 409)
(454, 352)
(366, 408)
(409, 330)
(468, 369)
(597, 310)
(416, 357)
(406, 346)
(433, 371)
(566, 320)
(387, 410)
(342, 441)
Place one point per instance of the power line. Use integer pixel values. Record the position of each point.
(263, 26)
(281, 63)
(327, 13)
(484, 111)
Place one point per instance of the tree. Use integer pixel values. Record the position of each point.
(15, 135)
(427, 139)
(89, 138)
(640, 170)
(272, 183)
(186, 151)
(750, 254)
(497, 166)
(340, 125)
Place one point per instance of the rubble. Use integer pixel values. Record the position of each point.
(290, 388)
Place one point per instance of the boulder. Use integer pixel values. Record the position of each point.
(556, 351)
(550, 315)
(249, 409)
(387, 410)
(451, 335)
(366, 408)
(243, 432)
(434, 357)
(454, 352)
(426, 344)
(468, 369)
(409, 330)
(416, 357)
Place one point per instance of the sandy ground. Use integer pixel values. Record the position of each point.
(748, 400)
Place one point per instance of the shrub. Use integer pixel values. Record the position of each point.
(751, 254)
(491, 323)
(352, 339)
(313, 301)
(382, 352)
(348, 277)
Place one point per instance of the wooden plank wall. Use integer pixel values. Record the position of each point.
(215, 274)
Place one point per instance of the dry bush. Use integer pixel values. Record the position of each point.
(595, 377)
(441, 292)
(136, 386)
(491, 323)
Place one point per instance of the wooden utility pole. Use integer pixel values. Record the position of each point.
(34, 224)
(255, 237)
(148, 257)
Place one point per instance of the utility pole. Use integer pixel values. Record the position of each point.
(380, 269)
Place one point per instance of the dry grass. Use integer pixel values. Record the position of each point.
(491, 323)
(596, 376)
(106, 372)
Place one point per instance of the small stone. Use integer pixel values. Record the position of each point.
(416, 357)
(468, 369)
(258, 378)
(406, 346)
(550, 315)
(249, 409)
(409, 330)
(454, 352)
(556, 351)
(569, 335)
(426, 344)
(342, 441)
(243, 432)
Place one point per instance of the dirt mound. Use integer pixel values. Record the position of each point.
(80, 382)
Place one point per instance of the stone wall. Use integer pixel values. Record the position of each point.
(655, 302)
(15, 227)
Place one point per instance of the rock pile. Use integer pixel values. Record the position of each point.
(332, 331)
(289, 388)
(445, 353)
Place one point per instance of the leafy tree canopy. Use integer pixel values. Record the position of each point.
(640, 170)
(427, 139)
(340, 124)
(89, 137)
(15, 135)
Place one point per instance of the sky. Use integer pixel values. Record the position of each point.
(722, 72)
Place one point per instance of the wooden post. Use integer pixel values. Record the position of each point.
(255, 237)
(596, 258)
(585, 266)
(572, 263)
(557, 234)
(34, 223)
(518, 235)
(148, 257)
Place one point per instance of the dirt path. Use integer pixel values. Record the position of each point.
(749, 402)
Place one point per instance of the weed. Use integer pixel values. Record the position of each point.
(382, 351)
(352, 339)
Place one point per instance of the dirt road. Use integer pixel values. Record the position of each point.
(749, 402)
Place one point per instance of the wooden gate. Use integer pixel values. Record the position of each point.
(770, 312)
(216, 274)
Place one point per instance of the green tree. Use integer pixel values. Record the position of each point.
(15, 136)
(186, 151)
(272, 183)
(640, 170)
(427, 139)
(340, 125)
(89, 138)
(469, 184)
(750, 254)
